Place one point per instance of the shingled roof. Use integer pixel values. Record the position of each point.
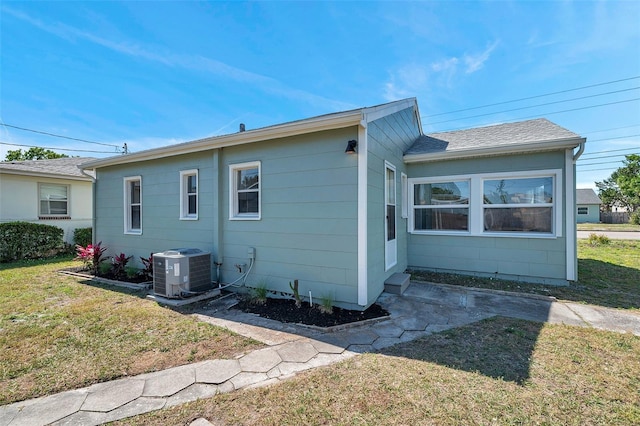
(587, 196)
(524, 136)
(58, 167)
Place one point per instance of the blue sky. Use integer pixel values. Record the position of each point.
(150, 74)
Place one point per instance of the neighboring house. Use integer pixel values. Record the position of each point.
(496, 201)
(587, 206)
(53, 192)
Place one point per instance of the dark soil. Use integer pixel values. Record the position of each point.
(138, 279)
(285, 310)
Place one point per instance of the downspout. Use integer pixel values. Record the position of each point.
(579, 153)
(93, 205)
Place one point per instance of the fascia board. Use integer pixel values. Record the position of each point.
(496, 150)
(374, 113)
(43, 175)
(352, 118)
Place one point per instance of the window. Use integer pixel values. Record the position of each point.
(583, 210)
(244, 191)
(518, 205)
(189, 195)
(54, 200)
(523, 204)
(133, 205)
(441, 206)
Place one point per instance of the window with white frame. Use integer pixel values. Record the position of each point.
(244, 191)
(514, 204)
(133, 205)
(54, 200)
(441, 205)
(189, 194)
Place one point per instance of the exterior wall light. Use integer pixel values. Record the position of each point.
(351, 147)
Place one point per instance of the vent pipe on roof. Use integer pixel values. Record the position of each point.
(242, 128)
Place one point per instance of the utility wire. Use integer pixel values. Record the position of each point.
(610, 130)
(57, 136)
(531, 97)
(549, 113)
(617, 137)
(609, 150)
(601, 162)
(596, 170)
(535, 106)
(607, 156)
(59, 149)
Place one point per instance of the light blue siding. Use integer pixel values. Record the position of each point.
(592, 216)
(308, 226)
(388, 138)
(526, 259)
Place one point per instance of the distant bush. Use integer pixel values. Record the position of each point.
(598, 240)
(634, 219)
(82, 236)
(25, 240)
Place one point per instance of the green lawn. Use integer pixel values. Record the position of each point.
(499, 371)
(626, 227)
(495, 372)
(59, 332)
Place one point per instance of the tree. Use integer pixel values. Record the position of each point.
(622, 188)
(34, 153)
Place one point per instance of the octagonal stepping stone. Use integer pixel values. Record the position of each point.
(260, 361)
(217, 371)
(49, 409)
(108, 396)
(297, 351)
(169, 382)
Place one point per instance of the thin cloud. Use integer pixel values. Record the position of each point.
(190, 62)
(476, 62)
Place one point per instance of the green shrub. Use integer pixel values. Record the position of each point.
(598, 240)
(25, 240)
(82, 236)
(634, 219)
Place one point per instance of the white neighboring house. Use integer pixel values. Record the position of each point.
(52, 192)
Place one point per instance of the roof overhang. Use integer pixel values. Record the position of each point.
(44, 175)
(537, 146)
(357, 117)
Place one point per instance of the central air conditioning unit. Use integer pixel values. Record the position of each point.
(181, 272)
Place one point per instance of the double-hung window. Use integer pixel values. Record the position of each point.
(189, 195)
(518, 205)
(54, 200)
(244, 191)
(526, 204)
(133, 205)
(441, 205)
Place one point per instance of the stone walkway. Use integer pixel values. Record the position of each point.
(422, 310)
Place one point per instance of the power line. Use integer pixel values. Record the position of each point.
(551, 113)
(535, 106)
(610, 130)
(59, 149)
(601, 162)
(596, 170)
(531, 97)
(607, 156)
(57, 136)
(610, 150)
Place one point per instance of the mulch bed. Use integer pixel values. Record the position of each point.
(285, 310)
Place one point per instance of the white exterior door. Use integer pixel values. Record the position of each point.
(391, 244)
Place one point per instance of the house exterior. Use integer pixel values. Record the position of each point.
(587, 206)
(494, 201)
(53, 192)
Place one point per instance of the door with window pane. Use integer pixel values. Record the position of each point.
(391, 245)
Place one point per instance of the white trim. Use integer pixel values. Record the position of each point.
(233, 193)
(184, 200)
(127, 205)
(404, 195)
(390, 246)
(535, 146)
(363, 284)
(476, 227)
(570, 220)
(374, 113)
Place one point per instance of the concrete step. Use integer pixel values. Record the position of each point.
(397, 283)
